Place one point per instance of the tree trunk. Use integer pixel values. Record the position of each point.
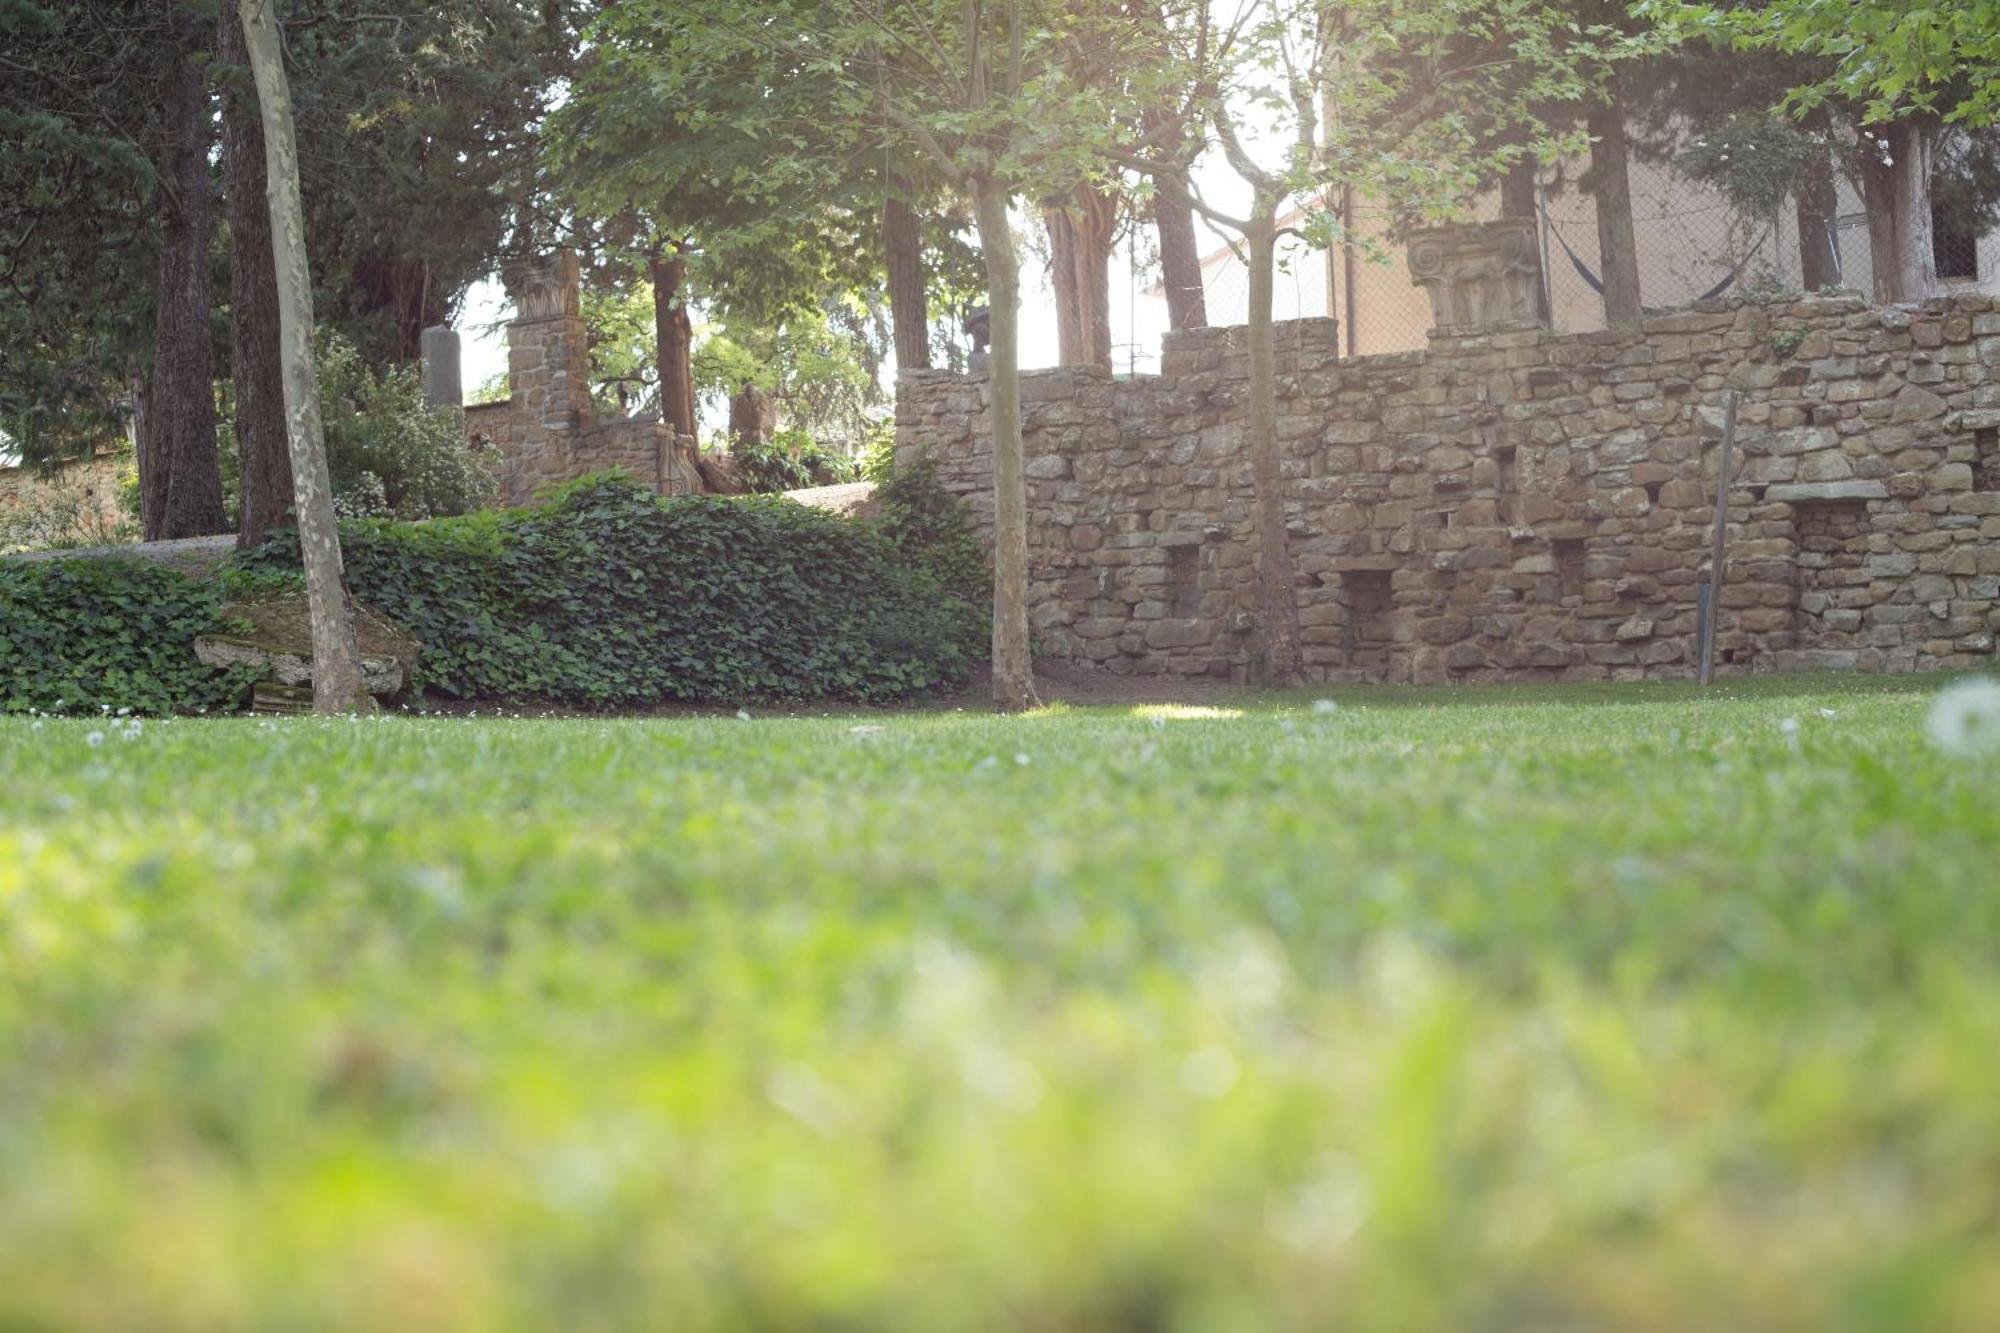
(1276, 582)
(752, 415)
(1013, 668)
(1093, 231)
(1063, 271)
(399, 291)
(336, 669)
(1913, 140)
(1818, 207)
(1878, 190)
(1180, 257)
(909, 306)
(674, 334)
(1517, 200)
(181, 495)
(264, 465)
(1617, 246)
(1081, 230)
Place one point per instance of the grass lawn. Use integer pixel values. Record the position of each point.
(1612, 1008)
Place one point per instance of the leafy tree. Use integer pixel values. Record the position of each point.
(818, 370)
(77, 169)
(1903, 72)
(773, 99)
(421, 131)
(985, 93)
(699, 151)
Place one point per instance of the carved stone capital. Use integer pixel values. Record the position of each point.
(1478, 274)
(544, 286)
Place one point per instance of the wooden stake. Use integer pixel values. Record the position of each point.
(1717, 552)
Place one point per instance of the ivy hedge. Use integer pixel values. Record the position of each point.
(607, 596)
(91, 636)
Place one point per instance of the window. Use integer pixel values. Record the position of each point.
(1954, 243)
(1569, 567)
(1184, 580)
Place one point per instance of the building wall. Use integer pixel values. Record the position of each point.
(1688, 239)
(1519, 504)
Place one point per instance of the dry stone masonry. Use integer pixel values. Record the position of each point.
(1516, 504)
(547, 430)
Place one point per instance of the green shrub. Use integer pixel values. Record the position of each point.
(609, 596)
(930, 529)
(60, 512)
(389, 453)
(88, 636)
(789, 461)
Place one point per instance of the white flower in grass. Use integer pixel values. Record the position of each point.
(94, 739)
(1965, 718)
(1209, 1072)
(1325, 706)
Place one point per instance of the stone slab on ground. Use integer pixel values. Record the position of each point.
(278, 635)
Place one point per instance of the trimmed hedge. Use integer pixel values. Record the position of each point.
(608, 595)
(95, 635)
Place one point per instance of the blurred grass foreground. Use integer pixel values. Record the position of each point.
(1516, 1009)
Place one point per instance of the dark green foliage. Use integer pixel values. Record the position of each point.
(608, 596)
(390, 454)
(928, 526)
(790, 460)
(87, 636)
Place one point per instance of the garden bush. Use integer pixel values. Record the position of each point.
(63, 511)
(931, 530)
(790, 460)
(389, 453)
(609, 596)
(91, 636)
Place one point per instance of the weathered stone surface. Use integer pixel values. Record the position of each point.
(1916, 403)
(1828, 491)
(1477, 275)
(277, 634)
(547, 429)
(1514, 504)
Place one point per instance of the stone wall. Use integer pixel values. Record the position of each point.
(546, 430)
(1517, 504)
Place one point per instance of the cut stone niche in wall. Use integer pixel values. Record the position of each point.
(1368, 596)
(1986, 455)
(1833, 578)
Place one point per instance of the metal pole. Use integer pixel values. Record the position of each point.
(1717, 550)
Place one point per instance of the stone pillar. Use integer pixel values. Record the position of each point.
(548, 350)
(442, 387)
(1478, 274)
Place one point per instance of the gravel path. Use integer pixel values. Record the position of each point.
(196, 555)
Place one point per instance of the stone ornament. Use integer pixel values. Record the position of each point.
(544, 286)
(1478, 274)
